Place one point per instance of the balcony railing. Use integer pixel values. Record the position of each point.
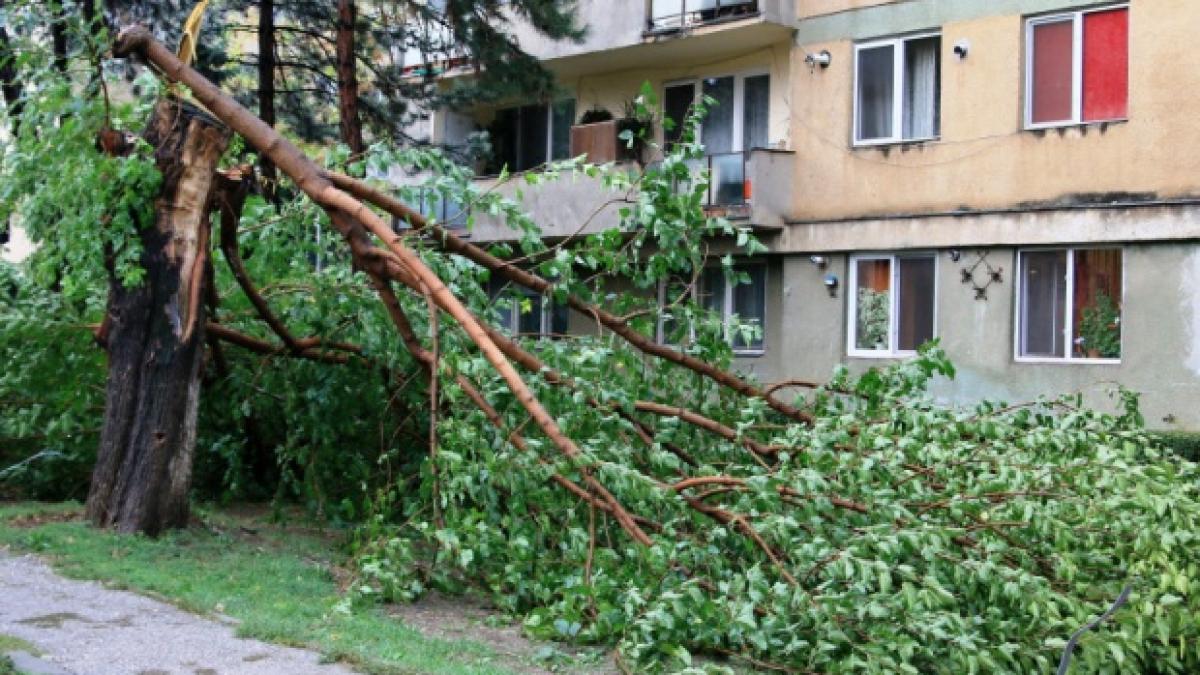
(668, 15)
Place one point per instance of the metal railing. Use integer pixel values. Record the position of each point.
(676, 14)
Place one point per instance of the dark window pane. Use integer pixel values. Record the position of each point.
(922, 87)
(560, 318)
(914, 320)
(1043, 303)
(534, 135)
(504, 136)
(676, 103)
(749, 304)
(529, 310)
(876, 92)
(1053, 71)
(712, 289)
(717, 128)
(756, 117)
(563, 118)
(873, 315)
(503, 302)
(1097, 304)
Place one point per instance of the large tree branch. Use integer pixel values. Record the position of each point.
(451, 242)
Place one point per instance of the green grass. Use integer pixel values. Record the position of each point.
(277, 582)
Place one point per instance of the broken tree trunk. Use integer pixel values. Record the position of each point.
(155, 338)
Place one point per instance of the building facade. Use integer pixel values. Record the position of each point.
(1017, 178)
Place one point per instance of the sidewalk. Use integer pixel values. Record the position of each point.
(82, 628)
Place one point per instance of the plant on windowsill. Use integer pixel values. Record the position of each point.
(1100, 329)
(874, 308)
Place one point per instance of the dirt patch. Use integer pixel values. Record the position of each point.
(451, 618)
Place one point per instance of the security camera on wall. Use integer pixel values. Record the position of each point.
(961, 48)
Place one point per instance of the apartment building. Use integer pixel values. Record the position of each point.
(1017, 178)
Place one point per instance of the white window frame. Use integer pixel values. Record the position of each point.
(1076, 66)
(892, 350)
(898, 82)
(739, 102)
(1068, 312)
(726, 309)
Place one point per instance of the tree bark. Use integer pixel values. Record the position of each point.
(156, 336)
(266, 86)
(351, 125)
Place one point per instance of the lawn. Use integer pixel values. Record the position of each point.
(278, 582)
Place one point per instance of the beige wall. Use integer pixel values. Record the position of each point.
(984, 159)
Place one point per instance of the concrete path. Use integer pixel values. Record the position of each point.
(82, 628)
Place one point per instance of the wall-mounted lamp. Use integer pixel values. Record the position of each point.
(819, 261)
(831, 283)
(822, 58)
(962, 48)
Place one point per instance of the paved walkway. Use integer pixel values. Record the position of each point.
(82, 628)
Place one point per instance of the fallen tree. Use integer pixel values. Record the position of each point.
(611, 489)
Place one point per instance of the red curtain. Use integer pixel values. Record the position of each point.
(1106, 65)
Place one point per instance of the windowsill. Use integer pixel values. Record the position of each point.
(1048, 126)
(893, 142)
(749, 353)
(1063, 361)
(879, 355)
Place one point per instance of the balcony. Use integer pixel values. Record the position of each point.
(751, 187)
(668, 15)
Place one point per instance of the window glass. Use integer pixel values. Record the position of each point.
(1043, 303)
(915, 311)
(1105, 64)
(749, 304)
(676, 104)
(873, 304)
(756, 112)
(717, 129)
(876, 74)
(534, 134)
(563, 117)
(1053, 71)
(1097, 304)
(922, 87)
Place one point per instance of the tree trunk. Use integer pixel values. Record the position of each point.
(351, 126)
(266, 86)
(155, 339)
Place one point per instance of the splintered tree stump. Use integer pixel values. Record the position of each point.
(155, 338)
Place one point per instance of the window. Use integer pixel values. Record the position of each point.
(527, 137)
(737, 122)
(898, 90)
(745, 302)
(1077, 67)
(892, 303)
(1070, 304)
(431, 204)
(526, 313)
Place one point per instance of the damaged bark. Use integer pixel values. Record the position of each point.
(156, 336)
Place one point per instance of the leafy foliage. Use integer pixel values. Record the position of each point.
(886, 533)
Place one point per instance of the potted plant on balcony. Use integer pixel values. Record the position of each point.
(635, 130)
(1100, 329)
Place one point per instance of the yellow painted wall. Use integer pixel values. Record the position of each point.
(984, 159)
